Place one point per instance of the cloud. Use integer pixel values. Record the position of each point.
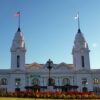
(95, 45)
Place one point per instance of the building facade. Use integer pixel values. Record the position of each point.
(65, 77)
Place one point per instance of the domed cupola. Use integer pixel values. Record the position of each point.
(79, 37)
(18, 42)
(19, 36)
(80, 41)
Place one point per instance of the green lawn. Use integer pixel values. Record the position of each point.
(8, 98)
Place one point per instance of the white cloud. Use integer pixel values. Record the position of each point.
(94, 45)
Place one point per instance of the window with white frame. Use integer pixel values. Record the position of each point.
(17, 81)
(95, 81)
(3, 81)
(84, 81)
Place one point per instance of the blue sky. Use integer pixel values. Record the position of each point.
(49, 29)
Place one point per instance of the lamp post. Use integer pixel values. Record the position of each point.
(49, 65)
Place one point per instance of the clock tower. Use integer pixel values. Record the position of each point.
(80, 52)
(18, 51)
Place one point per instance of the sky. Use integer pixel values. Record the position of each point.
(49, 29)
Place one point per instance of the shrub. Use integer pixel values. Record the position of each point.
(55, 95)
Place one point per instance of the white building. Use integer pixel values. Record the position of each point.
(65, 77)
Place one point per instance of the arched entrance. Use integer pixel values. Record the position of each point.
(66, 84)
(35, 84)
(66, 81)
(52, 81)
(84, 89)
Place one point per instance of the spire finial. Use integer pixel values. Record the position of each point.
(19, 30)
(79, 31)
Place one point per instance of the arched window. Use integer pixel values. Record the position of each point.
(17, 81)
(3, 81)
(96, 89)
(18, 61)
(82, 58)
(66, 81)
(84, 81)
(35, 81)
(95, 81)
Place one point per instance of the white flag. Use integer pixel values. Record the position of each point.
(77, 16)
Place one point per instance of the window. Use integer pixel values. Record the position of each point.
(18, 61)
(66, 81)
(35, 81)
(4, 81)
(96, 81)
(17, 82)
(82, 58)
(3, 90)
(84, 81)
(96, 89)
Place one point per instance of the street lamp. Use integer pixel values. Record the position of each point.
(49, 65)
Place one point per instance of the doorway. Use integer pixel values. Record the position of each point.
(84, 89)
(17, 89)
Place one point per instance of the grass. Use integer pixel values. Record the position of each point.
(8, 98)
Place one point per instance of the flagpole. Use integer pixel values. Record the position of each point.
(19, 20)
(78, 21)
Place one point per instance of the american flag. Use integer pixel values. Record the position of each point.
(17, 14)
(77, 16)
